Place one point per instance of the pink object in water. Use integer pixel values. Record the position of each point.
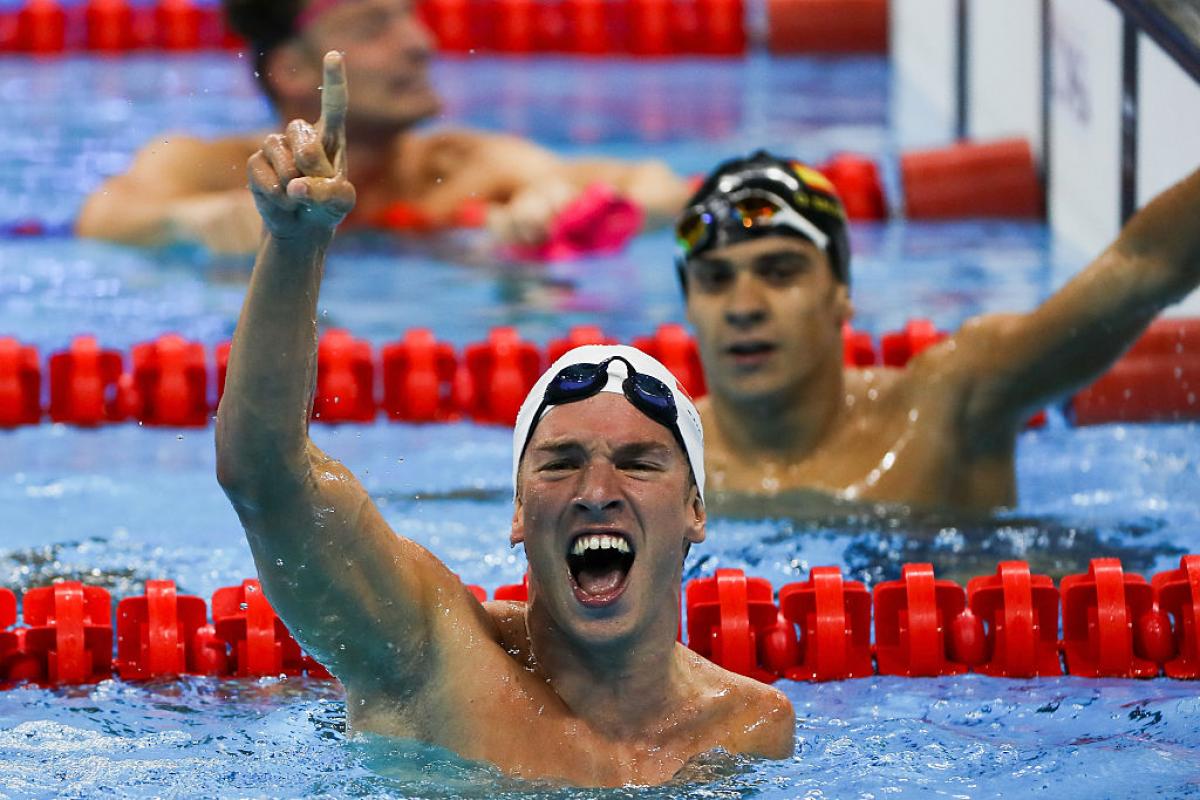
(599, 221)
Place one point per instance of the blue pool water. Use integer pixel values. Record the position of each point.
(120, 505)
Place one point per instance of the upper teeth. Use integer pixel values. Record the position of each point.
(599, 541)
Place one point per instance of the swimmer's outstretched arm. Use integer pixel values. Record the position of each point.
(1017, 362)
(359, 597)
(178, 189)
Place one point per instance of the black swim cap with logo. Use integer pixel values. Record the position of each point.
(763, 195)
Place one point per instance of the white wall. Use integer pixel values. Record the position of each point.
(1004, 98)
(1168, 143)
(924, 64)
(1168, 121)
(1004, 70)
(1084, 187)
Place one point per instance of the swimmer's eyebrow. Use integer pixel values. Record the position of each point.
(783, 257)
(709, 263)
(644, 448)
(557, 446)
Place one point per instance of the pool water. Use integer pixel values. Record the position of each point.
(119, 505)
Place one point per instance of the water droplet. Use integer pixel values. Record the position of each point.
(279, 562)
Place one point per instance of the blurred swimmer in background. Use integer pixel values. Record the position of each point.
(586, 682)
(765, 266)
(183, 189)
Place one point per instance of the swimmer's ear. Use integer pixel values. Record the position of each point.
(843, 303)
(293, 75)
(698, 517)
(517, 536)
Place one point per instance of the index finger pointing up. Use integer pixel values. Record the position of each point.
(334, 98)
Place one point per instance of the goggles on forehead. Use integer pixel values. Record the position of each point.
(580, 381)
(701, 226)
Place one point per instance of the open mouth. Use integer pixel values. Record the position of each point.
(599, 565)
(751, 350)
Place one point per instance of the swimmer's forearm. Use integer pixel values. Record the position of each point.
(1080, 330)
(658, 191)
(223, 221)
(1165, 237)
(262, 424)
(111, 218)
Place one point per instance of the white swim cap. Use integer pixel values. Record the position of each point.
(688, 420)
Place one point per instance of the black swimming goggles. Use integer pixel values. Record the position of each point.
(580, 381)
(749, 209)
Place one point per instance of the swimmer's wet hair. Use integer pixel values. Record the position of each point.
(265, 24)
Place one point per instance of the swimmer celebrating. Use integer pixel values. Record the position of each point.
(764, 263)
(586, 683)
(184, 189)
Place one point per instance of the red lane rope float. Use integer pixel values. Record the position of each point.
(1113, 625)
(827, 26)
(972, 179)
(834, 620)
(424, 380)
(418, 378)
(1021, 611)
(727, 617)
(857, 181)
(1158, 380)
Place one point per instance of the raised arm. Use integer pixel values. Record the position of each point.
(1017, 362)
(357, 596)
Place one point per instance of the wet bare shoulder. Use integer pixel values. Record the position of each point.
(442, 152)
(871, 384)
(754, 718)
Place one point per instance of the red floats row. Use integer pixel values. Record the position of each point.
(46, 27)
(587, 27)
(596, 27)
(166, 382)
(67, 637)
(1114, 624)
(424, 380)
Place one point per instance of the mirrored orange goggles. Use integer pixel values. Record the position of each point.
(700, 226)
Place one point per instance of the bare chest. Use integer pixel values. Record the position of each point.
(524, 730)
(887, 453)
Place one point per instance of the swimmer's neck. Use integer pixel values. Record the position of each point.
(787, 425)
(624, 692)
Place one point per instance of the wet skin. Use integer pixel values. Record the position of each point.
(585, 684)
(783, 413)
